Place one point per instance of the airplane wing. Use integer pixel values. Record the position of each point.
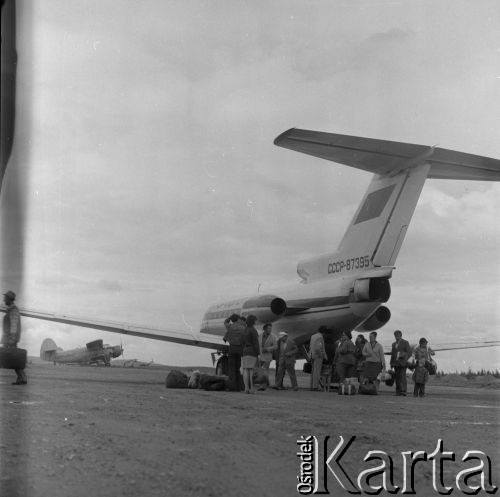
(128, 329)
(472, 345)
(387, 157)
(457, 346)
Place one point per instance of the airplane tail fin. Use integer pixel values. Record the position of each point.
(48, 350)
(378, 228)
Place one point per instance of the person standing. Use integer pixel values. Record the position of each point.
(423, 351)
(287, 350)
(12, 331)
(318, 354)
(400, 353)
(420, 377)
(373, 353)
(359, 345)
(267, 346)
(330, 339)
(251, 350)
(234, 336)
(346, 360)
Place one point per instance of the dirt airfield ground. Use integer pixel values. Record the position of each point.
(95, 431)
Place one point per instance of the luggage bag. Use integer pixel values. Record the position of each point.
(368, 389)
(346, 389)
(13, 358)
(176, 379)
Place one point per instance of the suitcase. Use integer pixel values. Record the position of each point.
(213, 382)
(347, 389)
(12, 358)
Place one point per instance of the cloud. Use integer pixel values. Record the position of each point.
(145, 155)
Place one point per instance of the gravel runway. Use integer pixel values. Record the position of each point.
(94, 431)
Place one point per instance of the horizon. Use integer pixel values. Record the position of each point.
(115, 363)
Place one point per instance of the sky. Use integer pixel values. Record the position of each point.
(151, 187)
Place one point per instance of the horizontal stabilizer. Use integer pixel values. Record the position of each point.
(385, 157)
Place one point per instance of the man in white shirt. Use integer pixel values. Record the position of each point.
(268, 344)
(374, 356)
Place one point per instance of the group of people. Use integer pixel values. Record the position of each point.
(247, 351)
(364, 359)
(401, 359)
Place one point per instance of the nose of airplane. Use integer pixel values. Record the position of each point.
(117, 350)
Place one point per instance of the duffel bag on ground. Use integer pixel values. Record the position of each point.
(12, 358)
(213, 382)
(368, 389)
(347, 389)
(176, 379)
(259, 376)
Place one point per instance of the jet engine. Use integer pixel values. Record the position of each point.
(371, 289)
(380, 317)
(267, 308)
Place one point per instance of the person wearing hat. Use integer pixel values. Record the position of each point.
(423, 362)
(268, 344)
(400, 353)
(11, 333)
(317, 353)
(287, 350)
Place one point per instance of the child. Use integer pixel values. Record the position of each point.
(420, 377)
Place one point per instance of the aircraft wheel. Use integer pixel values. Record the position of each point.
(221, 366)
(218, 369)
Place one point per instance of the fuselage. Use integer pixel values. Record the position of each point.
(301, 309)
(76, 356)
(83, 355)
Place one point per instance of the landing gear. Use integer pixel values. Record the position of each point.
(221, 367)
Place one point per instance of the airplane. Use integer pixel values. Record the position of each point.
(344, 289)
(94, 352)
(135, 363)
